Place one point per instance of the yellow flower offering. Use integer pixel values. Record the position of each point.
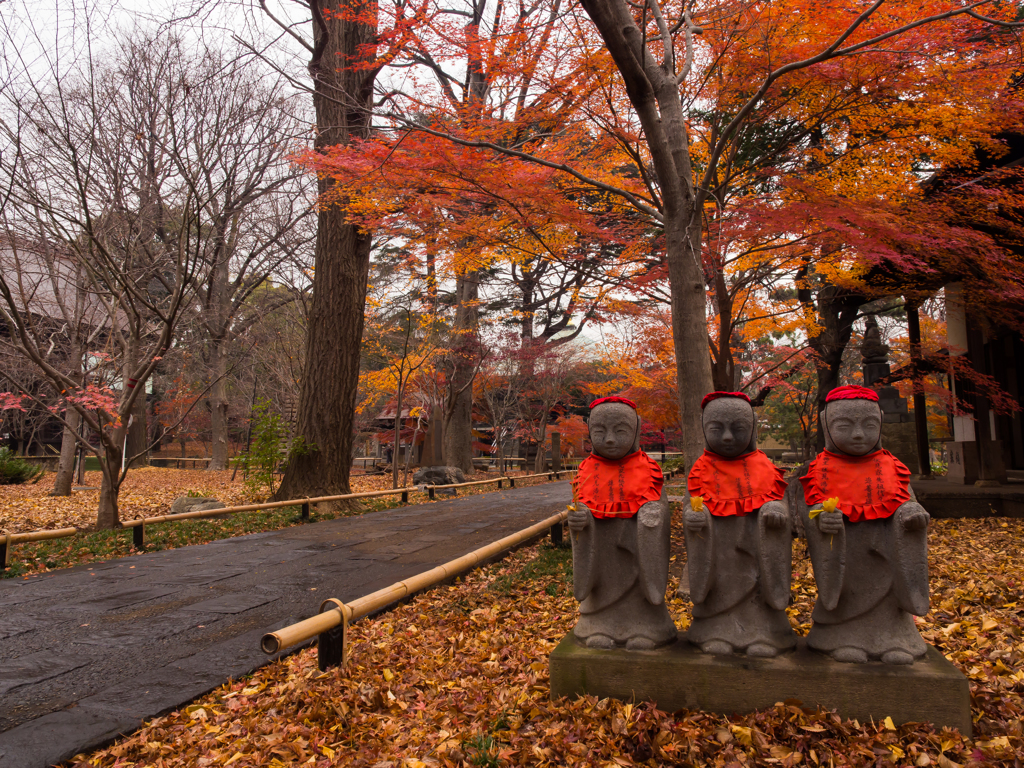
(697, 503)
(828, 505)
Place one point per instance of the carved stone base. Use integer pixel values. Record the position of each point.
(679, 676)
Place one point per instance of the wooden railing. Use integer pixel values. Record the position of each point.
(138, 525)
(331, 624)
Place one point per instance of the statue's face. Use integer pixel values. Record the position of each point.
(614, 430)
(728, 426)
(855, 426)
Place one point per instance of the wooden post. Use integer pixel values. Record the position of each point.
(330, 646)
(430, 492)
(5, 551)
(139, 536)
(511, 482)
(556, 452)
(305, 511)
(405, 497)
(500, 485)
(556, 534)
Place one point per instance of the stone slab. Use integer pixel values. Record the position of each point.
(35, 668)
(200, 578)
(20, 623)
(59, 736)
(236, 603)
(124, 598)
(679, 676)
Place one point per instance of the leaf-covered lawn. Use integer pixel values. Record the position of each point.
(458, 676)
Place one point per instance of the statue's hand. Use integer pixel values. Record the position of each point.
(695, 521)
(775, 514)
(830, 522)
(651, 514)
(912, 516)
(579, 517)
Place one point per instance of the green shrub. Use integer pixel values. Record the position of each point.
(265, 452)
(15, 470)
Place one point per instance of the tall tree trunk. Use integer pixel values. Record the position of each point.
(107, 513)
(69, 442)
(398, 433)
(68, 450)
(458, 433)
(689, 327)
(540, 463)
(218, 407)
(138, 433)
(343, 93)
(836, 311)
(654, 94)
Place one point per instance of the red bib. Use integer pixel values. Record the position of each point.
(868, 487)
(617, 488)
(736, 487)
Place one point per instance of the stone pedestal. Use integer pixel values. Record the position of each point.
(679, 676)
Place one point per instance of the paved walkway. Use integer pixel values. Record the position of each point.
(89, 652)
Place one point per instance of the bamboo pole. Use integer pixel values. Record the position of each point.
(56, 533)
(272, 642)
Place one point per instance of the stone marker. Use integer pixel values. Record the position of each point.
(738, 542)
(867, 537)
(194, 504)
(620, 527)
(438, 476)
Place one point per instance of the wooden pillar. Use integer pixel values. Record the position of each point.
(920, 404)
(556, 451)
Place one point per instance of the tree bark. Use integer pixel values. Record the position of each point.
(108, 514)
(458, 433)
(342, 100)
(655, 95)
(68, 450)
(836, 311)
(218, 408)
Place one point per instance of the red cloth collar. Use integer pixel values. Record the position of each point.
(868, 487)
(736, 487)
(617, 488)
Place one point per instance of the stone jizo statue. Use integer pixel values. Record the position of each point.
(867, 537)
(620, 526)
(738, 537)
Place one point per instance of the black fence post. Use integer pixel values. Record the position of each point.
(430, 492)
(405, 497)
(556, 534)
(500, 485)
(330, 648)
(139, 536)
(305, 510)
(5, 551)
(511, 482)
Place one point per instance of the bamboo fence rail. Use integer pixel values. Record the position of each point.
(138, 525)
(330, 625)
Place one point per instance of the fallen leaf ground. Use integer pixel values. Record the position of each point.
(148, 492)
(458, 676)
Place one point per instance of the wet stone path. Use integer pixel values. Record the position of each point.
(89, 652)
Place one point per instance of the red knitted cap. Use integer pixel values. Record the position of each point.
(715, 395)
(613, 399)
(852, 392)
